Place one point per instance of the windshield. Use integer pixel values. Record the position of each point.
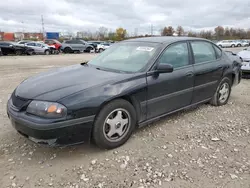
(126, 57)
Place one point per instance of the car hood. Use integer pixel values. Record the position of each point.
(244, 54)
(57, 84)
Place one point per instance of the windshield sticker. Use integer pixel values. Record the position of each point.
(146, 49)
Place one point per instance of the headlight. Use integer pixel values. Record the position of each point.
(47, 109)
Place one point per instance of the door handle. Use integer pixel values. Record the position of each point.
(220, 67)
(189, 74)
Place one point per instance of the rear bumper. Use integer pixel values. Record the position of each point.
(51, 133)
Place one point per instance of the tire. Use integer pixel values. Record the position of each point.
(101, 129)
(239, 45)
(88, 49)
(101, 50)
(46, 52)
(19, 52)
(216, 100)
(67, 50)
(232, 45)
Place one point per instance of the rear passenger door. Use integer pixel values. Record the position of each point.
(208, 69)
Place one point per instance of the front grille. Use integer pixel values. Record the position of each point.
(18, 102)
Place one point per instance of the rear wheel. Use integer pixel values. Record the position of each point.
(19, 52)
(222, 93)
(239, 45)
(101, 50)
(114, 124)
(232, 45)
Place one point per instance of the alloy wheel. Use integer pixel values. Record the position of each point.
(223, 92)
(116, 125)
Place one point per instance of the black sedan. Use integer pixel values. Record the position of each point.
(7, 48)
(131, 84)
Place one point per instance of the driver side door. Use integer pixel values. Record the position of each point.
(168, 92)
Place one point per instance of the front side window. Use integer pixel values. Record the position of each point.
(176, 55)
(30, 44)
(126, 57)
(203, 51)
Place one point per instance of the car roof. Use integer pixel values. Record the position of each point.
(164, 40)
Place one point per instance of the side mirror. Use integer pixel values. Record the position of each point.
(231, 52)
(164, 68)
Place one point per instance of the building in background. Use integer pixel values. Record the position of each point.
(33, 36)
(52, 35)
(1, 35)
(19, 36)
(8, 37)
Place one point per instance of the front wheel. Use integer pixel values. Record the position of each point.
(232, 45)
(222, 93)
(114, 124)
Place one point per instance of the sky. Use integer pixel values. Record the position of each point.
(133, 15)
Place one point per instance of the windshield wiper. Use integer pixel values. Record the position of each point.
(84, 63)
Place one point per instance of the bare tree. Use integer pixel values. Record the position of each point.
(179, 30)
(102, 32)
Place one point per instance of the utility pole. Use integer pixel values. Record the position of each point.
(152, 29)
(136, 32)
(42, 26)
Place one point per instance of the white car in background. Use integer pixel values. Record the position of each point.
(103, 46)
(228, 43)
(245, 56)
(244, 43)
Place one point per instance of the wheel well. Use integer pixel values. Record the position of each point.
(126, 98)
(231, 76)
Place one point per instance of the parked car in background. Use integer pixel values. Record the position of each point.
(7, 48)
(134, 82)
(40, 48)
(244, 43)
(229, 43)
(71, 46)
(245, 68)
(24, 41)
(54, 43)
(103, 46)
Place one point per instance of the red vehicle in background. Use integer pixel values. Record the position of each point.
(54, 43)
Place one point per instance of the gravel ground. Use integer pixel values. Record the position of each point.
(201, 147)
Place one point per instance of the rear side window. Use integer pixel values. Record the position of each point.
(203, 51)
(217, 51)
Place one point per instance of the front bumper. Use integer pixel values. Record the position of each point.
(46, 131)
